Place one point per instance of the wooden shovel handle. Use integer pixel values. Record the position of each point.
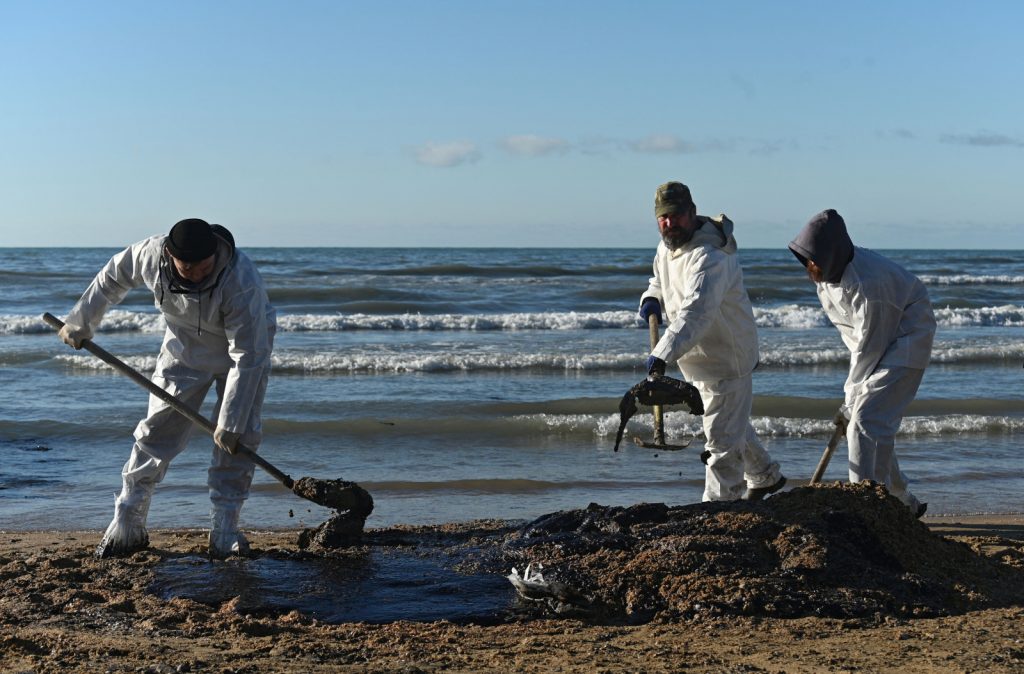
(659, 414)
(826, 456)
(180, 407)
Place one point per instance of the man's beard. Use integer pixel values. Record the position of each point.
(677, 238)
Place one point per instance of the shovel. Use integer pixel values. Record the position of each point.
(826, 456)
(336, 494)
(659, 413)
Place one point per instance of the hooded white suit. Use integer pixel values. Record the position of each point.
(885, 318)
(712, 337)
(219, 332)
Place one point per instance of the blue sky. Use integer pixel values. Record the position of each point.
(523, 123)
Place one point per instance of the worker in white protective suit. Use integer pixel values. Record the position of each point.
(885, 318)
(712, 337)
(220, 331)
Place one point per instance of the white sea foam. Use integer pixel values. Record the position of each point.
(799, 317)
(968, 354)
(791, 316)
(1008, 315)
(115, 320)
(781, 356)
(683, 425)
(88, 362)
(513, 321)
(328, 362)
(971, 279)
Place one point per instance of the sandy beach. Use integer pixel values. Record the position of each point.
(63, 610)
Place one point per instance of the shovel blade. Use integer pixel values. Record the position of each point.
(660, 445)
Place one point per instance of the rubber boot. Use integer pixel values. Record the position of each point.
(225, 537)
(758, 493)
(127, 531)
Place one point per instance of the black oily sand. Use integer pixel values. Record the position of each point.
(838, 550)
(352, 505)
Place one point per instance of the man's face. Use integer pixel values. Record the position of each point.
(194, 272)
(677, 228)
(814, 272)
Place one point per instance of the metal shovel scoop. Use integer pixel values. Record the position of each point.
(656, 391)
(337, 494)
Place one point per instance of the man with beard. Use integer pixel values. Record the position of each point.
(712, 338)
(220, 331)
(885, 318)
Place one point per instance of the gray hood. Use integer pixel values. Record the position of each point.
(825, 242)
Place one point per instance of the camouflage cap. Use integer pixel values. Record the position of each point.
(672, 197)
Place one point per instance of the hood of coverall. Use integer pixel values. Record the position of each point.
(716, 232)
(824, 241)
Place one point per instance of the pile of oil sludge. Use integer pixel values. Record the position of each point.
(840, 550)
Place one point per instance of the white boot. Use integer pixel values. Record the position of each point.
(127, 531)
(225, 537)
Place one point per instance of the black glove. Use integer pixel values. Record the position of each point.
(655, 365)
(650, 306)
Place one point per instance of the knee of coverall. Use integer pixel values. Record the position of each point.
(165, 432)
(726, 414)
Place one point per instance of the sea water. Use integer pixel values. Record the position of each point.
(456, 384)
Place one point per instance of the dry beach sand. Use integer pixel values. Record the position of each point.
(830, 578)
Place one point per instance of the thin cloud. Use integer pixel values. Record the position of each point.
(667, 143)
(534, 146)
(984, 139)
(446, 155)
(899, 134)
(664, 143)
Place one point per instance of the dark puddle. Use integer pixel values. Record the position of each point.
(383, 585)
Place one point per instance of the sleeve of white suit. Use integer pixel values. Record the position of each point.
(121, 273)
(876, 323)
(703, 290)
(249, 345)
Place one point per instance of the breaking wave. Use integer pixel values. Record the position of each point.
(335, 362)
(971, 280)
(683, 425)
(790, 316)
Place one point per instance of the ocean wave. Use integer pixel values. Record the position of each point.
(88, 362)
(972, 279)
(456, 269)
(333, 362)
(683, 425)
(1008, 315)
(790, 316)
(803, 317)
(793, 356)
(510, 321)
(115, 320)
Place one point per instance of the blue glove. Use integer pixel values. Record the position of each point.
(655, 365)
(650, 306)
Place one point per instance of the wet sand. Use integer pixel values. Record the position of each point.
(63, 610)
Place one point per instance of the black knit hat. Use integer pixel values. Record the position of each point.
(191, 240)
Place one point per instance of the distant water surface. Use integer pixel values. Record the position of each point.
(471, 383)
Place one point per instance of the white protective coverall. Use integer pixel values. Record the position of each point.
(220, 332)
(885, 318)
(712, 337)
